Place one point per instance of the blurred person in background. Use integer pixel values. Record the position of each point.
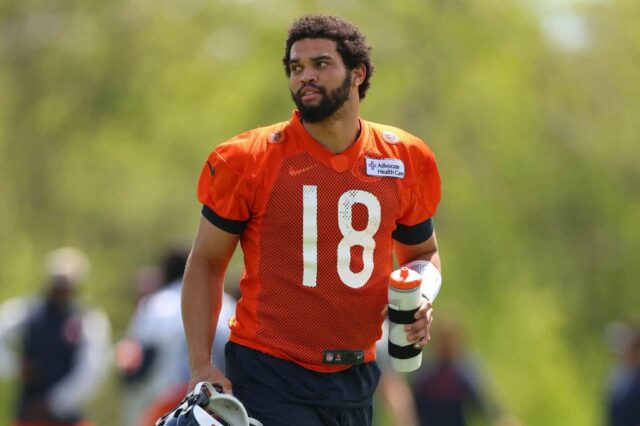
(449, 389)
(152, 358)
(58, 348)
(623, 393)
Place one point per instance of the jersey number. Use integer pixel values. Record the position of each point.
(350, 236)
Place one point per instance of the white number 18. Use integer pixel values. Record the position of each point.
(351, 236)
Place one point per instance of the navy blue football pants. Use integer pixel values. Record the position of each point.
(282, 393)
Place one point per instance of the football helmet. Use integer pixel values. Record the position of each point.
(206, 405)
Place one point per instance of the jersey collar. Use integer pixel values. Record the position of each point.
(339, 162)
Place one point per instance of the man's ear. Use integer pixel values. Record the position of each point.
(358, 74)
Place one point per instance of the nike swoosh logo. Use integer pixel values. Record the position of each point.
(295, 172)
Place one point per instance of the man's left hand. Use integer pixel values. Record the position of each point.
(418, 332)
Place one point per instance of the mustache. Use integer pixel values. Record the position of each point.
(312, 85)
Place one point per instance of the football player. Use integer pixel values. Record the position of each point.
(320, 205)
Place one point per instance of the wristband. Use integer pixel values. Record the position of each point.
(431, 278)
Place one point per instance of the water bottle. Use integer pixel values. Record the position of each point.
(405, 298)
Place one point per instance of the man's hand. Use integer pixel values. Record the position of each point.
(418, 332)
(209, 373)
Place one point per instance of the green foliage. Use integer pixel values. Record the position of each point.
(108, 110)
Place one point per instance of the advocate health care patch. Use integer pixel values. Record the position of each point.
(385, 167)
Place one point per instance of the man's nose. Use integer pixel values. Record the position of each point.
(308, 75)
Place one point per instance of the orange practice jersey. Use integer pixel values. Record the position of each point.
(317, 232)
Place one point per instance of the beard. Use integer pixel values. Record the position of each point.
(329, 102)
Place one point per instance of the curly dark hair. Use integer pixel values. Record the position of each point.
(351, 43)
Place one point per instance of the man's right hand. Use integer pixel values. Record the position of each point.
(209, 373)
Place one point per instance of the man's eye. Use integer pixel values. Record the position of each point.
(296, 69)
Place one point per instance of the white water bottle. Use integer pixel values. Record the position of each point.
(405, 297)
